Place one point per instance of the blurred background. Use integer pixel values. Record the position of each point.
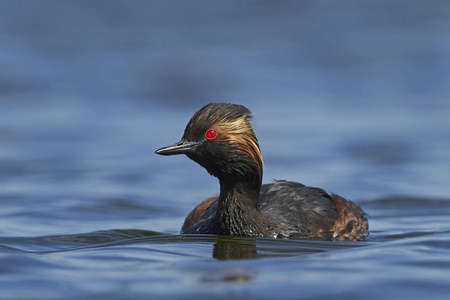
(351, 96)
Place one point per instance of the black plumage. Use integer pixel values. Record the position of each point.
(220, 138)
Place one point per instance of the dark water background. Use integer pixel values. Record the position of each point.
(351, 96)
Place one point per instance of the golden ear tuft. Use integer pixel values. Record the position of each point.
(240, 133)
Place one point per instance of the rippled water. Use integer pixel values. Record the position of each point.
(351, 97)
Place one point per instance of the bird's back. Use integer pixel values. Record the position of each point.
(294, 210)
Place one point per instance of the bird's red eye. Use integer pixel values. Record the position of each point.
(211, 134)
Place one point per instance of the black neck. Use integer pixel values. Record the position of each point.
(238, 212)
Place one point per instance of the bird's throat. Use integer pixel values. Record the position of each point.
(238, 211)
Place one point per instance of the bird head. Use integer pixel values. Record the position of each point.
(220, 138)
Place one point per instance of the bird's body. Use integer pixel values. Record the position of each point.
(290, 210)
(220, 138)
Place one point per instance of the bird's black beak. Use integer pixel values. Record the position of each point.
(182, 147)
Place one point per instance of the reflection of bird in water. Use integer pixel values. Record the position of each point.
(234, 248)
(220, 138)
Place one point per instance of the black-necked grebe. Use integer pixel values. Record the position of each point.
(220, 138)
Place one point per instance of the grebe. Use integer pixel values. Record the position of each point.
(220, 138)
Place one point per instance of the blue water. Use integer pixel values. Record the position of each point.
(350, 96)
